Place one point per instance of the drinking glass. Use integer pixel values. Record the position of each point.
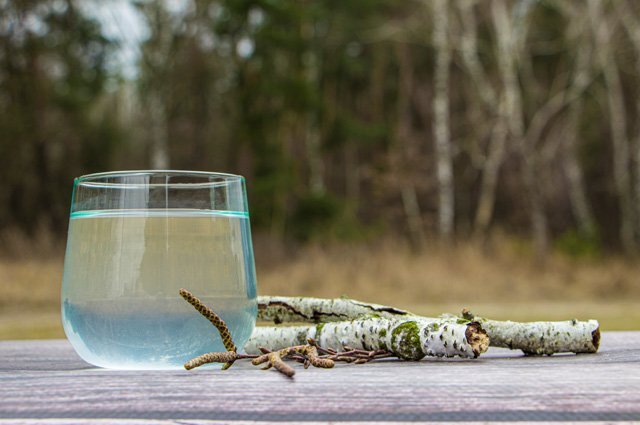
(137, 237)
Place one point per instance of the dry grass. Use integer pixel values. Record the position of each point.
(30, 283)
(504, 285)
(29, 300)
(389, 272)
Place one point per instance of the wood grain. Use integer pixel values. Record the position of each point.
(46, 382)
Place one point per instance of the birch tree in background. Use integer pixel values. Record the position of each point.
(311, 67)
(153, 93)
(441, 133)
(603, 24)
(631, 21)
(457, 118)
(489, 96)
(536, 149)
(511, 30)
(579, 34)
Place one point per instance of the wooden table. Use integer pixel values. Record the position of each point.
(46, 382)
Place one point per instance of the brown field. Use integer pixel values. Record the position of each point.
(505, 284)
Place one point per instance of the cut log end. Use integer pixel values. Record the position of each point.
(477, 338)
(595, 338)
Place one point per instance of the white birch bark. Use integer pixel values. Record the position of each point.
(530, 337)
(441, 133)
(159, 138)
(408, 339)
(539, 338)
(320, 310)
(155, 96)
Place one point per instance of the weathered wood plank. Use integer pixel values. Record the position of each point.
(111, 421)
(46, 379)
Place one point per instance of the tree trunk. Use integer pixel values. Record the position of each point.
(615, 103)
(314, 156)
(571, 166)
(631, 23)
(406, 151)
(490, 174)
(469, 52)
(508, 36)
(617, 120)
(441, 134)
(414, 216)
(159, 144)
(577, 191)
(312, 137)
(499, 134)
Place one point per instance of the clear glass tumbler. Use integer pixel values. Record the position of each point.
(136, 238)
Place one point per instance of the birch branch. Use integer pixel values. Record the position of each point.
(537, 338)
(409, 339)
(531, 337)
(318, 310)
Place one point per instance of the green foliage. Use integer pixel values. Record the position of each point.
(350, 129)
(578, 244)
(315, 216)
(53, 124)
(326, 108)
(325, 217)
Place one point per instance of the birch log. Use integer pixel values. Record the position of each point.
(531, 337)
(537, 338)
(410, 339)
(317, 310)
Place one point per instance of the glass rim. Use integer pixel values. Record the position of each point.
(99, 179)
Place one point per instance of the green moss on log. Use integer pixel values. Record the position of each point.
(405, 341)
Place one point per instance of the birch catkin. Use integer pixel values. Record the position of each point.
(215, 320)
(222, 357)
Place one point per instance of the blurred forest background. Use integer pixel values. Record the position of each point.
(429, 153)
